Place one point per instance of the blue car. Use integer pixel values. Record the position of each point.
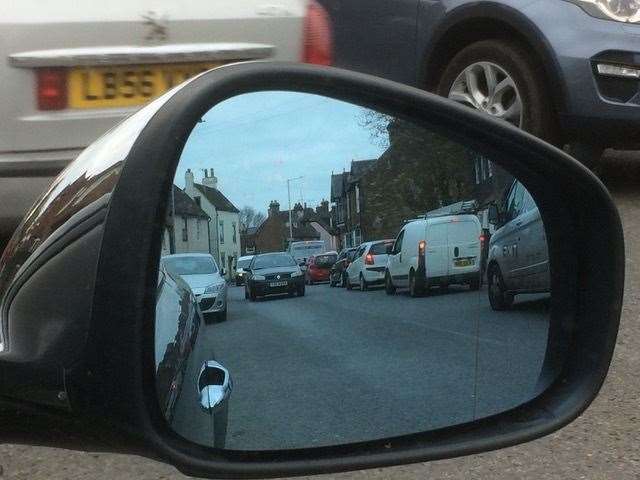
(567, 71)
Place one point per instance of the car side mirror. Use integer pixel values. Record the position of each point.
(94, 340)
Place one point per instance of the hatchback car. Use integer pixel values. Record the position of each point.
(319, 267)
(201, 272)
(274, 274)
(338, 272)
(369, 264)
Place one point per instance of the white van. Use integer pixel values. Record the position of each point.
(440, 250)
(301, 251)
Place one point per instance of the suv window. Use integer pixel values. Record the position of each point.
(515, 201)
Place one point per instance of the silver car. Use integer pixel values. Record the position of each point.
(70, 71)
(518, 257)
(200, 271)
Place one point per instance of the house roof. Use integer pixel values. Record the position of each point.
(216, 198)
(185, 205)
(359, 168)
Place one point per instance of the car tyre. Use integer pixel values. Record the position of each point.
(344, 280)
(252, 296)
(222, 316)
(348, 283)
(246, 293)
(475, 283)
(537, 113)
(364, 286)
(499, 298)
(389, 288)
(301, 291)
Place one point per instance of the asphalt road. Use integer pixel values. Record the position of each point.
(339, 366)
(602, 444)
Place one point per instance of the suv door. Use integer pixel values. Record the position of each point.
(510, 259)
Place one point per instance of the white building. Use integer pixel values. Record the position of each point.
(187, 226)
(224, 243)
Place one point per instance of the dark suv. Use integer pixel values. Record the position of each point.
(567, 71)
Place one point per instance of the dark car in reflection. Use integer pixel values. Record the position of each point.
(273, 274)
(319, 266)
(178, 320)
(338, 271)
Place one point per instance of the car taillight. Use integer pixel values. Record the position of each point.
(482, 238)
(318, 41)
(422, 245)
(368, 260)
(52, 88)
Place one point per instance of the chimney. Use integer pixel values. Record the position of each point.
(188, 181)
(274, 208)
(210, 179)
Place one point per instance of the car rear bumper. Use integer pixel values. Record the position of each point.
(594, 106)
(374, 274)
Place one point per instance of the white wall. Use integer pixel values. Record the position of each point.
(197, 236)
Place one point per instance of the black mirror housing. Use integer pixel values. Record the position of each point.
(86, 375)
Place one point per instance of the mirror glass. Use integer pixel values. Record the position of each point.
(331, 274)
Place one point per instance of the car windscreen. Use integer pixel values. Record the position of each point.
(244, 263)
(380, 248)
(191, 265)
(307, 250)
(273, 261)
(326, 261)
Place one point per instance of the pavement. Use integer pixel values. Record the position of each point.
(604, 443)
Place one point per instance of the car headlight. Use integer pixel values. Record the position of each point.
(296, 274)
(627, 11)
(258, 277)
(216, 287)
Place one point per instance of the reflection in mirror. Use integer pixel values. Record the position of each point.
(354, 276)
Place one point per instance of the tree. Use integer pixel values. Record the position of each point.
(250, 217)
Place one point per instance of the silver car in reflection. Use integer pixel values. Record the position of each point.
(518, 258)
(206, 280)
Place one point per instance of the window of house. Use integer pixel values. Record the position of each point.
(357, 199)
(197, 229)
(233, 237)
(185, 230)
(221, 231)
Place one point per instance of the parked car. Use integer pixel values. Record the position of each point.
(518, 257)
(566, 71)
(178, 320)
(69, 74)
(441, 250)
(241, 265)
(273, 274)
(369, 264)
(201, 272)
(337, 273)
(319, 266)
(301, 251)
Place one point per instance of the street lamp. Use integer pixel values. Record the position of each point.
(289, 180)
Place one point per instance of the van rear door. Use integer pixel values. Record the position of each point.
(463, 237)
(437, 256)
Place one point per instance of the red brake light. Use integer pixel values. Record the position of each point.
(318, 42)
(422, 245)
(368, 260)
(482, 238)
(52, 88)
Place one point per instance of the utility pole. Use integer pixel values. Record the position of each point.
(289, 180)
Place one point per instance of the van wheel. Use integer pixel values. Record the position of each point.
(388, 284)
(363, 284)
(499, 298)
(416, 289)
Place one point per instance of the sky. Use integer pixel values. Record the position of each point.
(256, 141)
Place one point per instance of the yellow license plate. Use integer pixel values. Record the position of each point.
(467, 262)
(127, 85)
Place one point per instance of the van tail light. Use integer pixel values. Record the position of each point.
(52, 88)
(318, 39)
(368, 260)
(422, 245)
